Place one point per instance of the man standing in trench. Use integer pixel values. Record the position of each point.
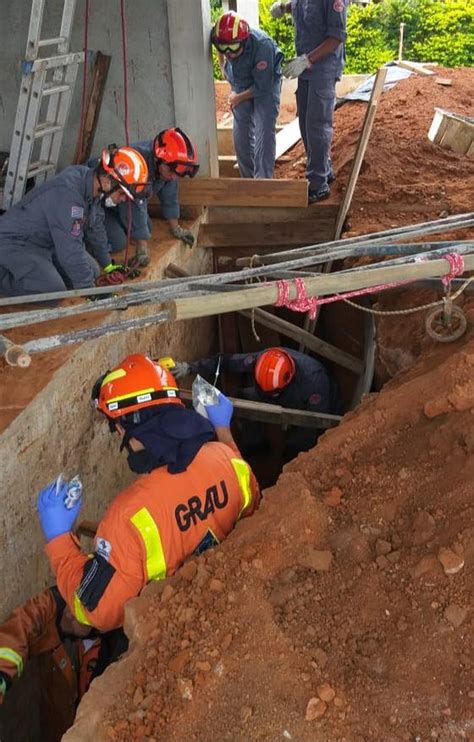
(320, 33)
(193, 487)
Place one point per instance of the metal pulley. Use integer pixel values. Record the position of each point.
(447, 323)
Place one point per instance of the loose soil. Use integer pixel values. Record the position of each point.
(342, 610)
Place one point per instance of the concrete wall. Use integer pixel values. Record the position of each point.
(151, 92)
(59, 431)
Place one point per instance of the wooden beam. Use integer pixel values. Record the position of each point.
(361, 148)
(243, 192)
(414, 67)
(273, 413)
(326, 350)
(97, 84)
(254, 215)
(272, 234)
(321, 285)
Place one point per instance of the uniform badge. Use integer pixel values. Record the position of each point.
(77, 212)
(262, 65)
(338, 6)
(76, 227)
(103, 548)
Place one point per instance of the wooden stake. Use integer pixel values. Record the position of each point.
(361, 148)
(100, 71)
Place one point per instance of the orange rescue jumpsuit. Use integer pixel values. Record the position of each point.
(32, 631)
(148, 531)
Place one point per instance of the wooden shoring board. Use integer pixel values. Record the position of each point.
(361, 148)
(243, 192)
(254, 215)
(315, 344)
(414, 67)
(287, 138)
(97, 84)
(272, 234)
(225, 139)
(452, 131)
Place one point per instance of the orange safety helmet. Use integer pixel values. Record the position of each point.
(174, 147)
(128, 168)
(230, 31)
(135, 383)
(274, 370)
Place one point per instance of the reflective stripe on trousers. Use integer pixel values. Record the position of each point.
(9, 655)
(242, 472)
(155, 556)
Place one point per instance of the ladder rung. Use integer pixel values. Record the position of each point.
(52, 88)
(40, 166)
(48, 127)
(50, 42)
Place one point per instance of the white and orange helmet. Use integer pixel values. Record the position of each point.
(128, 168)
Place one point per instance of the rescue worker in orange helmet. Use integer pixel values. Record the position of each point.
(280, 376)
(54, 238)
(70, 656)
(192, 488)
(170, 156)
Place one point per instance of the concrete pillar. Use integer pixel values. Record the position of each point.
(189, 25)
(248, 9)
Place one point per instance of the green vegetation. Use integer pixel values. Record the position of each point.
(435, 31)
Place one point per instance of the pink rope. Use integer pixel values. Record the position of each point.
(456, 267)
(305, 303)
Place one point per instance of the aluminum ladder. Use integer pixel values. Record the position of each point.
(47, 85)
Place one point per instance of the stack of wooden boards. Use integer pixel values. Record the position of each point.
(452, 131)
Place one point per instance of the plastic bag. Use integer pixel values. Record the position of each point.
(74, 490)
(203, 394)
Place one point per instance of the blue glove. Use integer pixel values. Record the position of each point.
(55, 518)
(220, 414)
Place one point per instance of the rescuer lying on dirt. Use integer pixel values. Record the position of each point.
(278, 376)
(191, 491)
(71, 656)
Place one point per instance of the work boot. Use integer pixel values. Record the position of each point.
(318, 194)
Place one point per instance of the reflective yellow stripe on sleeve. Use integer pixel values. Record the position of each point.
(155, 556)
(79, 612)
(9, 655)
(242, 472)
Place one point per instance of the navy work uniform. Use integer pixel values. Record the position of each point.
(257, 68)
(116, 218)
(49, 239)
(314, 21)
(312, 388)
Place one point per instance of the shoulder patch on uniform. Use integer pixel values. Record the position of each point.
(263, 65)
(338, 6)
(77, 212)
(102, 547)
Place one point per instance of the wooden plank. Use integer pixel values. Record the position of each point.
(97, 84)
(287, 138)
(254, 215)
(321, 347)
(415, 67)
(225, 139)
(265, 233)
(361, 148)
(243, 192)
(273, 413)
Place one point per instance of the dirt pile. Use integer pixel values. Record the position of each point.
(404, 178)
(341, 611)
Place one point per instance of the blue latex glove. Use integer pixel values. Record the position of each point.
(55, 518)
(220, 414)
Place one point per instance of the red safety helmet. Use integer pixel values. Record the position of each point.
(128, 168)
(135, 383)
(274, 370)
(174, 147)
(229, 32)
